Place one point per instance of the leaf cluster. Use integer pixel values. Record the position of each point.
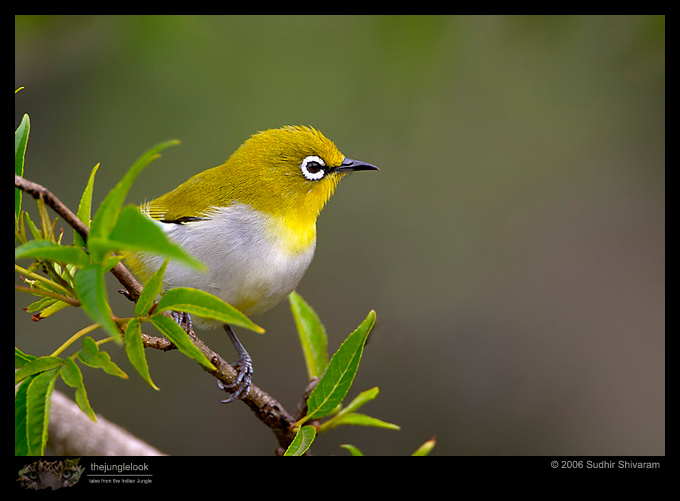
(335, 379)
(63, 275)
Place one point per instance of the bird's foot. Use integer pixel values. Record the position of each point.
(240, 387)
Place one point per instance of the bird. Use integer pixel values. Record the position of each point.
(252, 222)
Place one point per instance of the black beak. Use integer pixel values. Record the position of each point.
(349, 165)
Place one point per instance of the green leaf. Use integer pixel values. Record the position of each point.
(357, 419)
(135, 350)
(92, 357)
(312, 334)
(20, 358)
(37, 234)
(54, 307)
(20, 419)
(360, 400)
(85, 207)
(302, 441)
(38, 411)
(169, 328)
(43, 249)
(91, 289)
(109, 262)
(151, 290)
(39, 304)
(336, 381)
(138, 233)
(36, 366)
(203, 304)
(348, 416)
(20, 141)
(72, 376)
(352, 449)
(84, 403)
(107, 215)
(426, 448)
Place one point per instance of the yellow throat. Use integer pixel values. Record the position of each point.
(251, 220)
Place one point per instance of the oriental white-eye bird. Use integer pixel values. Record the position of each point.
(252, 222)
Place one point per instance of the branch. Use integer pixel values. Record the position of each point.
(265, 407)
(72, 433)
(38, 191)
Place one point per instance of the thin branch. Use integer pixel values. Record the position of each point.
(37, 191)
(40, 192)
(46, 293)
(35, 276)
(74, 338)
(265, 407)
(158, 343)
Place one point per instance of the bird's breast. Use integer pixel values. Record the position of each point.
(254, 260)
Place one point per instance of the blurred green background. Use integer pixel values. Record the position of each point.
(512, 244)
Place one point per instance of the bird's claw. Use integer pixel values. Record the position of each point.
(240, 387)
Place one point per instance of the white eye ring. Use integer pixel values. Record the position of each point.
(313, 168)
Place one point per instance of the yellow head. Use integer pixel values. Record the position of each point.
(289, 172)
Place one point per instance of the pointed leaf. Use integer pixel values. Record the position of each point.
(302, 441)
(36, 366)
(85, 207)
(136, 232)
(35, 232)
(84, 403)
(21, 358)
(312, 334)
(54, 307)
(203, 304)
(20, 141)
(135, 350)
(105, 219)
(40, 304)
(347, 414)
(354, 451)
(91, 356)
(20, 419)
(357, 419)
(336, 381)
(72, 376)
(426, 448)
(151, 290)
(43, 249)
(38, 410)
(360, 400)
(90, 286)
(169, 328)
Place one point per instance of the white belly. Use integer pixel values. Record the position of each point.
(249, 266)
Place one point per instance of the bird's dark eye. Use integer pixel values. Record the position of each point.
(313, 168)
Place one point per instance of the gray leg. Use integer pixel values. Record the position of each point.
(244, 366)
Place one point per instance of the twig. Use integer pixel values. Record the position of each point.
(46, 293)
(158, 343)
(265, 407)
(37, 191)
(40, 192)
